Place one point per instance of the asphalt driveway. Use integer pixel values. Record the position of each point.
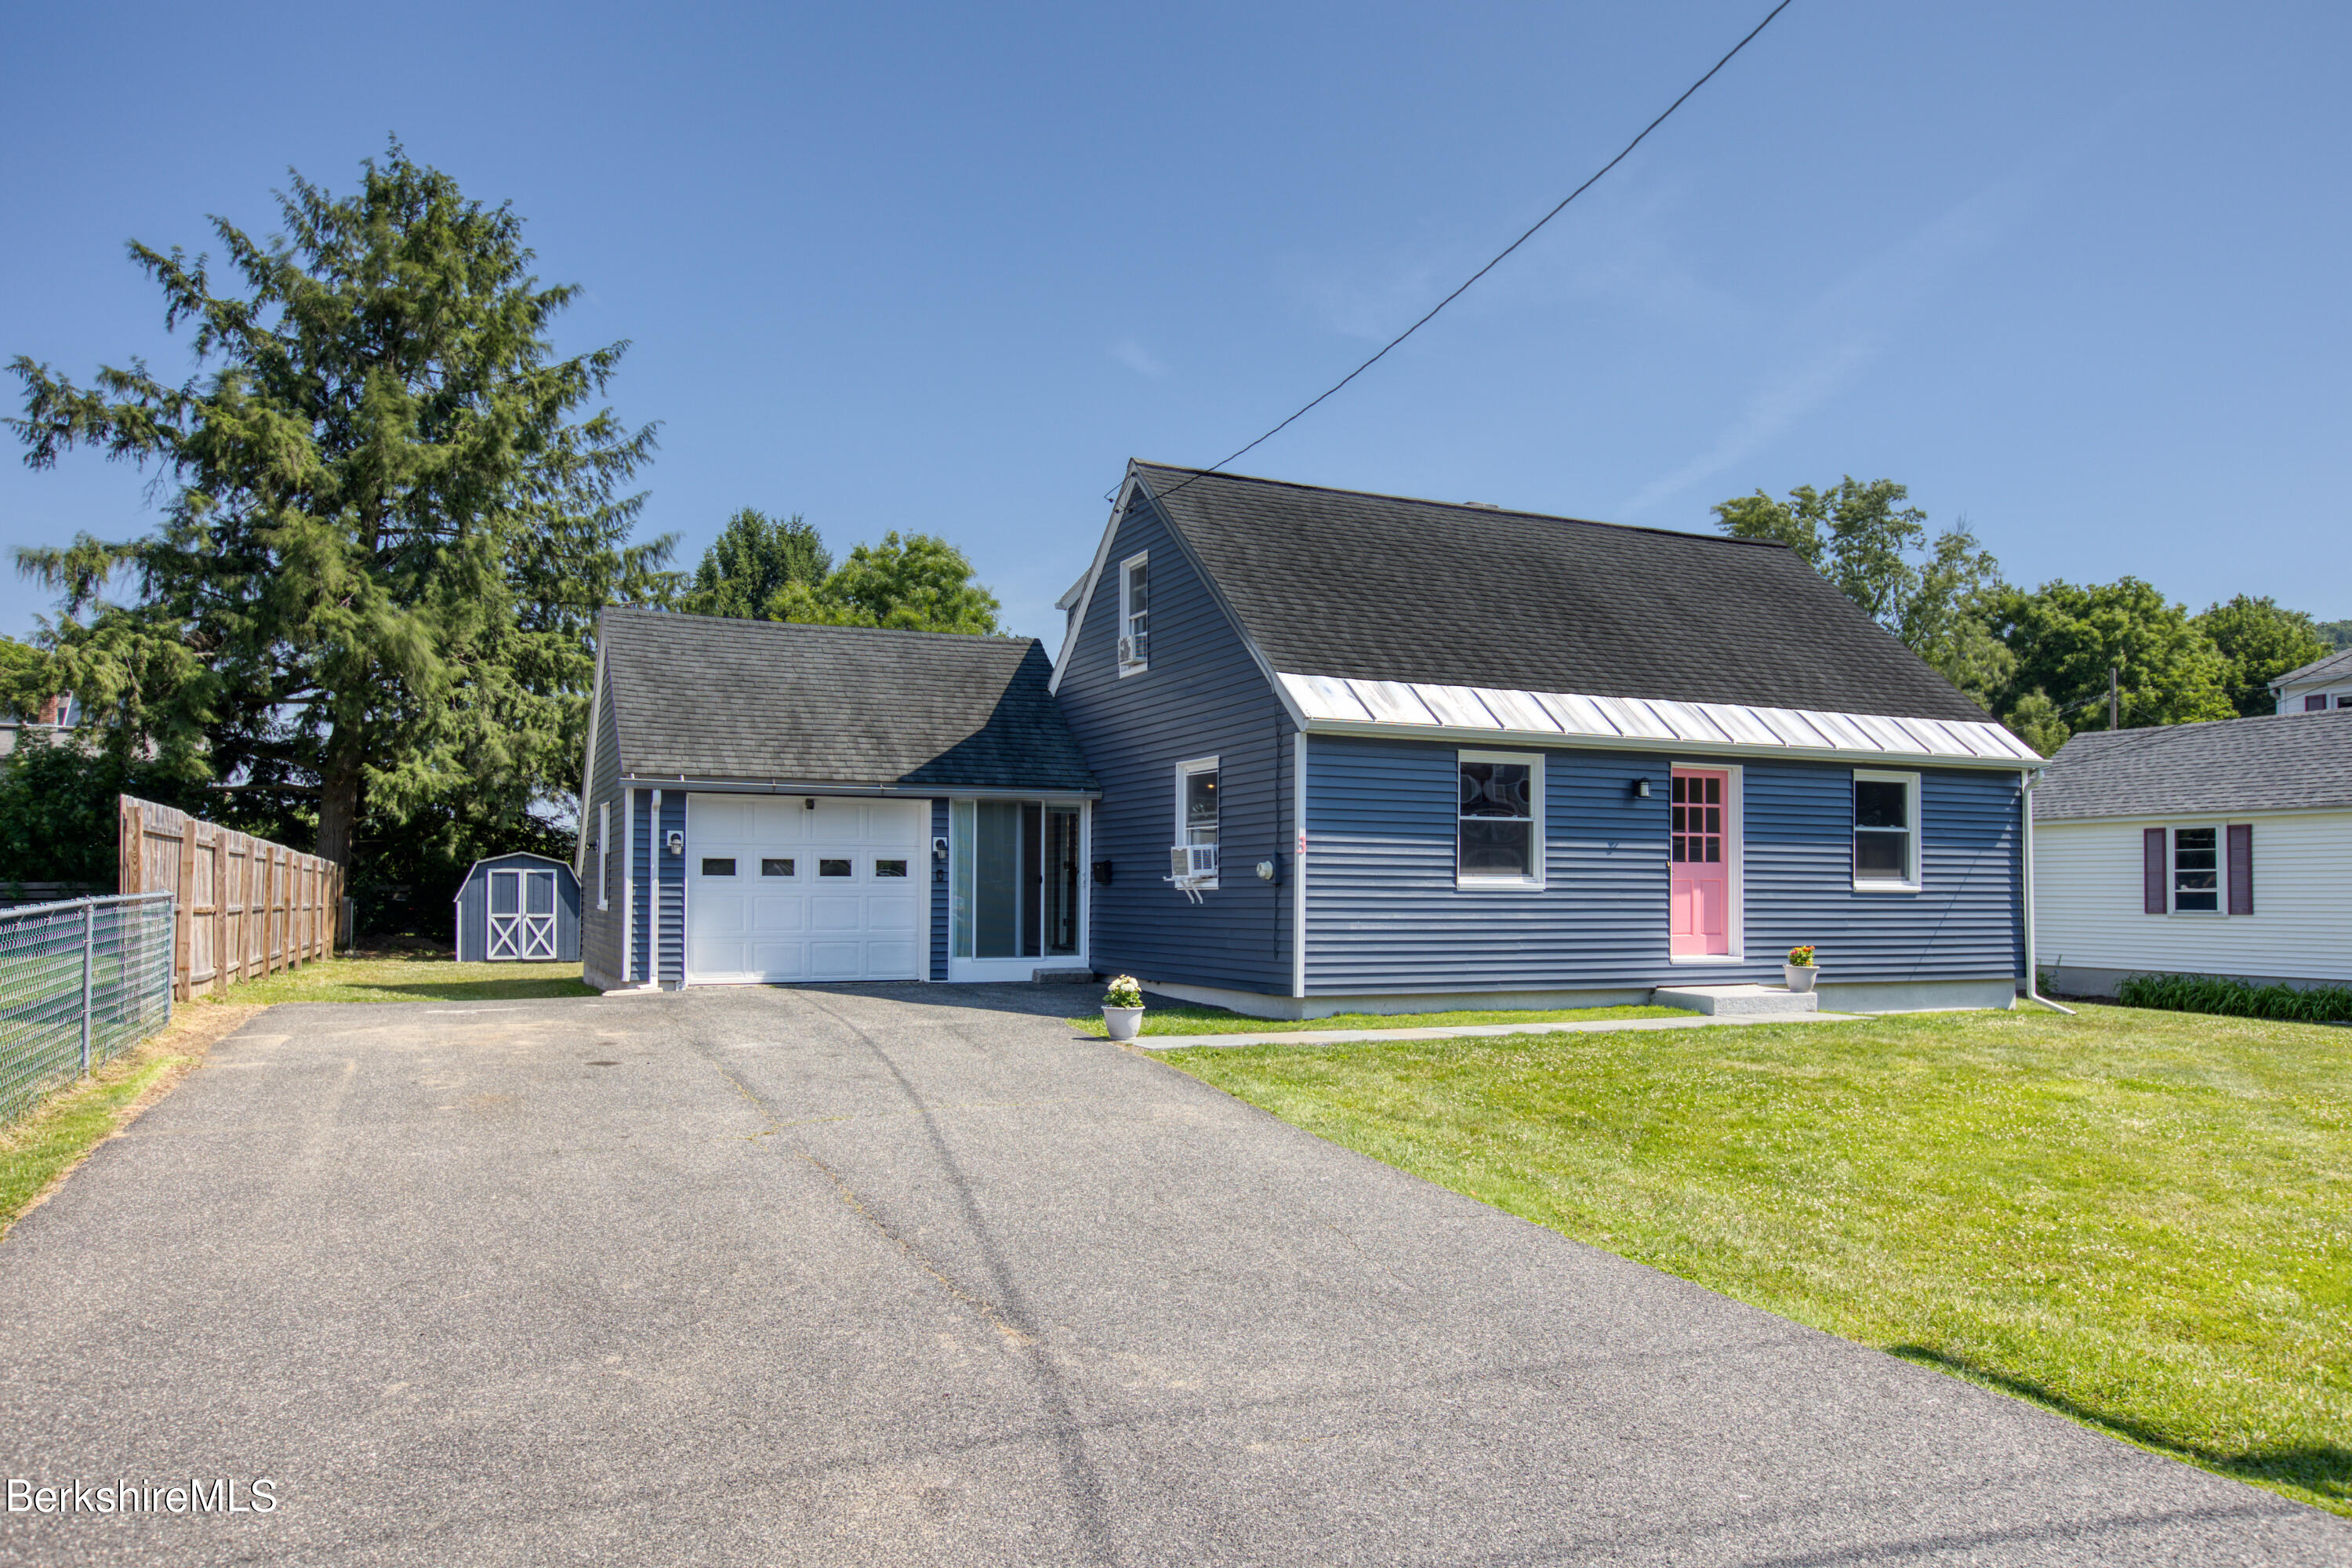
(902, 1275)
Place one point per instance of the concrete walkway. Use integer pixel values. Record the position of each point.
(1477, 1031)
(910, 1275)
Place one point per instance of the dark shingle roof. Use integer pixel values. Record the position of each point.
(1383, 588)
(2280, 762)
(2328, 669)
(710, 697)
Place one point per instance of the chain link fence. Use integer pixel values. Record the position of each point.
(79, 981)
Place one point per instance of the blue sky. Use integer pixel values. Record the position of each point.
(2075, 272)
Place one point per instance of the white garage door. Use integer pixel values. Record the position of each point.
(778, 891)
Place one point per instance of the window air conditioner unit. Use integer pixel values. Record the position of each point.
(1126, 650)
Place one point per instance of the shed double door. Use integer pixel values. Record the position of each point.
(522, 916)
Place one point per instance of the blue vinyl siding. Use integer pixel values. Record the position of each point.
(641, 880)
(670, 913)
(1384, 915)
(938, 895)
(1203, 696)
(600, 930)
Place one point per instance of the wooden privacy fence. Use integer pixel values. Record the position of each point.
(245, 906)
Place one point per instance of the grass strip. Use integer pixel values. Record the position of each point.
(373, 977)
(1185, 1019)
(2140, 1220)
(42, 1147)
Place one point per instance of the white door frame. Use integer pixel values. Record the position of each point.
(527, 936)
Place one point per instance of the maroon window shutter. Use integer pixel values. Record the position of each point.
(2152, 898)
(2241, 868)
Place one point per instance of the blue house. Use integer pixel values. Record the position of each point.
(1306, 750)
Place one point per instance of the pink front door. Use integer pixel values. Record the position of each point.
(1702, 878)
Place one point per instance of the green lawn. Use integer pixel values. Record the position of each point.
(370, 978)
(2143, 1220)
(1186, 1020)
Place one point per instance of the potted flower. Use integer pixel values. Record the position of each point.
(1123, 1007)
(1800, 970)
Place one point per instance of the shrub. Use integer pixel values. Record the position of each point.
(2236, 998)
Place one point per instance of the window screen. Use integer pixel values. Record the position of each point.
(1495, 829)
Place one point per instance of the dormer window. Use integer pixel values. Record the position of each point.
(1134, 614)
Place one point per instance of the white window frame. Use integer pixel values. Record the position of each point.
(1184, 771)
(2219, 828)
(1918, 833)
(603, 855)
(1127, 614)
(1536, 849)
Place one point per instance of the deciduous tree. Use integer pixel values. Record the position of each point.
(2258, 643)
(918, 583)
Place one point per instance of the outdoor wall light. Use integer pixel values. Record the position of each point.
(1641, 789)
(939, 846)
(1266, 870)
(675, 841)
(808, 802)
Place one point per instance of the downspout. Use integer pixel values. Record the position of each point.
(2025, 782)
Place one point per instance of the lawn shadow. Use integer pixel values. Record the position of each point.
(461, 990)
(2323, 1469)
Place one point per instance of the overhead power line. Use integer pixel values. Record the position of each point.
(1622, 154)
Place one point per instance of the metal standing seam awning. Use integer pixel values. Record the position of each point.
(1335, 704)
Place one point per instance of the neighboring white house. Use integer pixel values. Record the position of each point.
(2320, 687)
(2219, 848)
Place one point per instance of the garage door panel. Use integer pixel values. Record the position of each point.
(863, 924)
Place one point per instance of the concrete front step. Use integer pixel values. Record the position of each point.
(1742, 1001)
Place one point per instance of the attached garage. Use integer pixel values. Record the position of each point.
(777, 804)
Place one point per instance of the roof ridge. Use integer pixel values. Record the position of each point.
(1482, 509)
(651, 612)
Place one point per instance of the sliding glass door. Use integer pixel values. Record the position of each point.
(1016, 889)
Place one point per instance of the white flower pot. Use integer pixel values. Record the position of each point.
(1124, 1023)
(1801, 978)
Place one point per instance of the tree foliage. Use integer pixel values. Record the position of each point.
(919, 584)
(2337, 633)
(57, 810)
(2067, 636)
(1877, 550)
(386, 536)
(754, 559)
(2258, 643)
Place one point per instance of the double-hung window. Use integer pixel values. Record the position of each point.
(1497, 842)
(1885, 832)
(1196, 821)
(1134, 614)
(2197, 870)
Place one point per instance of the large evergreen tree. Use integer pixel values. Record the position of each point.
(390, 525)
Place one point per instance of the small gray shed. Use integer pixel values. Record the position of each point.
(518, 908)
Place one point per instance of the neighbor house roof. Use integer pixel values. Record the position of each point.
(1381, 611)
(2334, 667)
(709, 697)
(2279, 762)
(1338, 583)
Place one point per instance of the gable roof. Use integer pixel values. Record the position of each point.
(709, 697)
(2279, 762)
(2336, 665)
(1346, 584)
